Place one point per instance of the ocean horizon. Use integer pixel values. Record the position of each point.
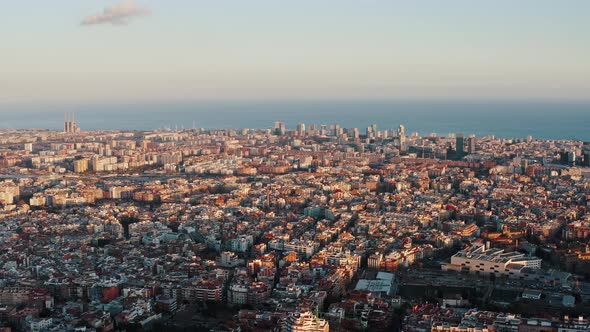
(507, 119)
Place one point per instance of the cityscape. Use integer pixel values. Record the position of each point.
(295, 166)
(317, 228)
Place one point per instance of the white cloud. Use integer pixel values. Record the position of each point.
(118, 14)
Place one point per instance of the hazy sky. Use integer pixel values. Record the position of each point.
(178, 50)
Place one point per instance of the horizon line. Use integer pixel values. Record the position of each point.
(465, 99)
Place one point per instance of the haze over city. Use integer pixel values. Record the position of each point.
(145, 50)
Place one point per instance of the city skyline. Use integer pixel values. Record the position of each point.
(149, 51)
(547, 120)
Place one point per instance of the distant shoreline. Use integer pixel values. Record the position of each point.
(507, 119)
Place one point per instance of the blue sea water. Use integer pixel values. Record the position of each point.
(509, 119)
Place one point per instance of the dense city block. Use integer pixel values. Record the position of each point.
(302, 228)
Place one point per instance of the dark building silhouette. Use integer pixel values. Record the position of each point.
(460, 144)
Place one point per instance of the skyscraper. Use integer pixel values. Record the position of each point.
(460, 144)
(334, 129)
(374, 130)
(301, 129)
(313, 129)
(279, 128)
(471, 145)
(586, 154)
(401, 134)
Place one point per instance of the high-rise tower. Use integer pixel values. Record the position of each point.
(471, 145)
(279, 128)
(301, 129)
(401, 134)
(460, 144)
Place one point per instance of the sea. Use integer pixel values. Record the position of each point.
(507, 119)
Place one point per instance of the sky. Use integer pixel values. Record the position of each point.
(181, 50)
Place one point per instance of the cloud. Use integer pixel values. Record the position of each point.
(118, 14)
